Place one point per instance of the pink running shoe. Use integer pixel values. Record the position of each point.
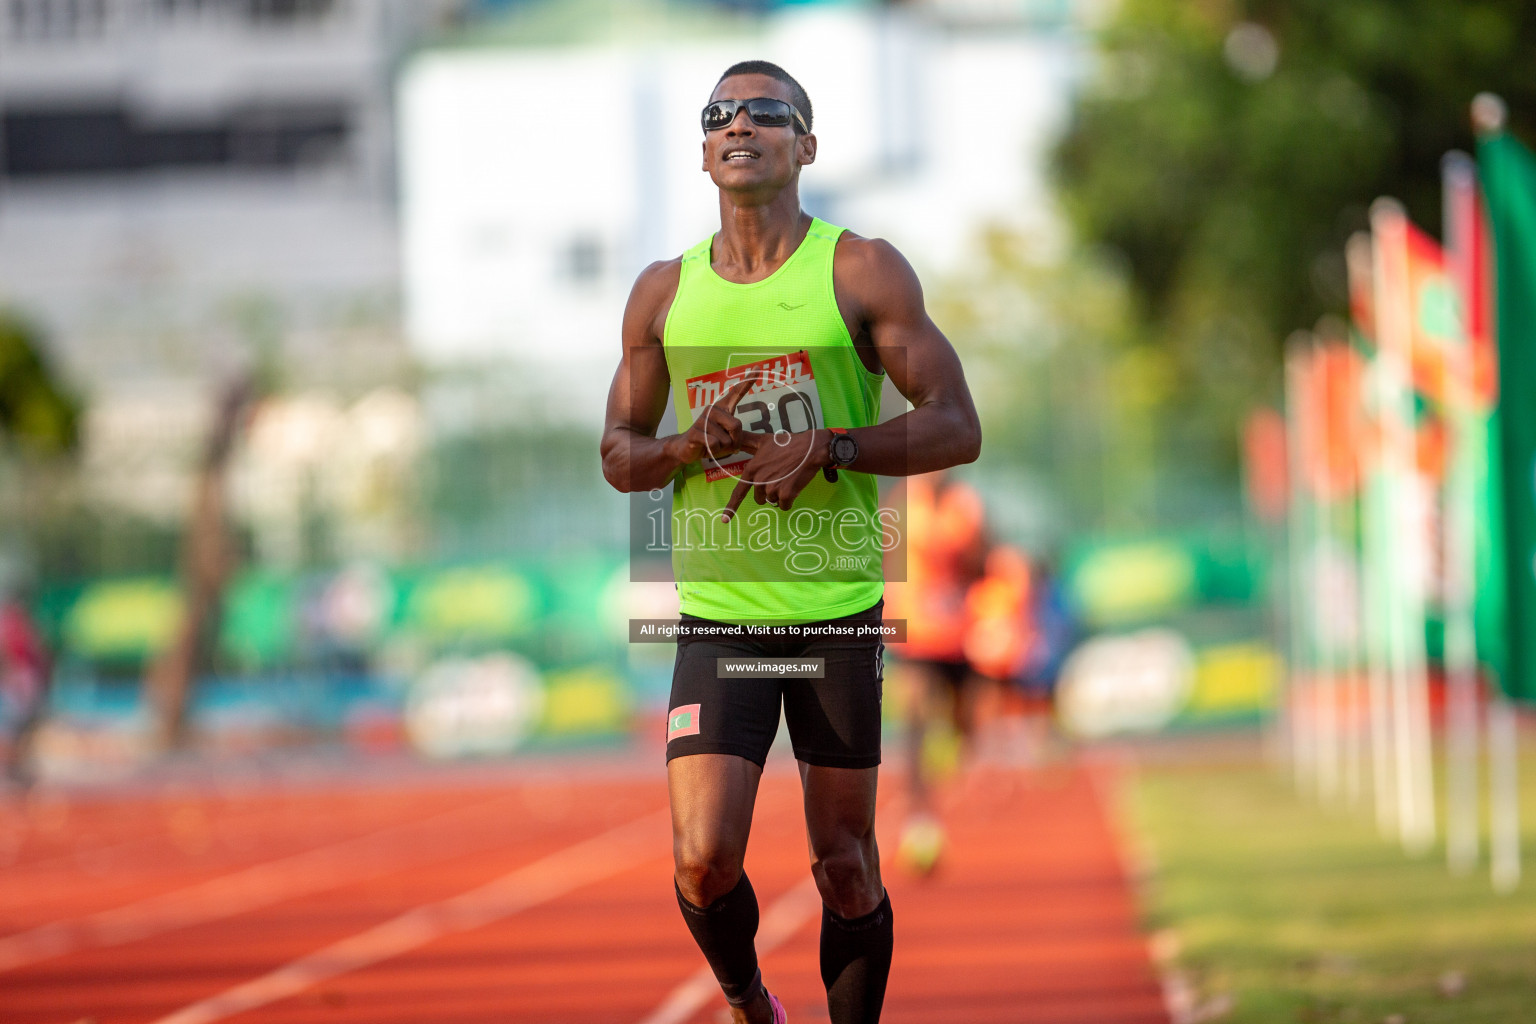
(779, 1016)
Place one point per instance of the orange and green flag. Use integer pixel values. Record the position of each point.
(1473, 375)
(1508, 173)
(1435, 324)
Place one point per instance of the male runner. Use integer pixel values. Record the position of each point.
(946, 545)
(775, 280)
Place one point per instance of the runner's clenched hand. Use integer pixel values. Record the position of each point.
(716, 431)
(781, 466)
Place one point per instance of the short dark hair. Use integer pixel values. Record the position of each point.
(797, 95)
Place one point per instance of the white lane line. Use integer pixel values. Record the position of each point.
(785, 917)
(543, 880)
(1110, 776)
(360, 858)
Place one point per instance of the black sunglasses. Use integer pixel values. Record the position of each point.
(763, 110)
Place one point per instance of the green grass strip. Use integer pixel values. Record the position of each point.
(1306, 914)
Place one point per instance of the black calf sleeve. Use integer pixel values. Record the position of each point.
(855, 963)
(724, 931)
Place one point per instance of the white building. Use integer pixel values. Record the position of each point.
(188, 187)
(181, 175)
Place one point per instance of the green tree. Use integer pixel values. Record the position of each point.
(37, 411)
(1225, 150)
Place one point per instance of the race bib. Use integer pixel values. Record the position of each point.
(784, 398)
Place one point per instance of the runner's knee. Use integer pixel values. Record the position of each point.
(704, 873)
(847, 872)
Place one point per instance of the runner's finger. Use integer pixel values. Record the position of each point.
(740, 492)
(719, 443)
(718, 417)
(728, 402)
(733, 426)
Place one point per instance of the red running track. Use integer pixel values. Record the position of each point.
(524, 896)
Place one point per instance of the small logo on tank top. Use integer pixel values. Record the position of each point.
(785, 305)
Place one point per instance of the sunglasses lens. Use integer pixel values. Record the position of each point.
(718, 115)
(769, 113)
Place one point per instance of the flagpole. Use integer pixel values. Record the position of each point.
(1410, 690)
(1303, 739)
(1488, 117)
(1459, 525)
(1374, 586)
(1503, 763)
(1359, 695)
(1389, 383)
(1319, 573)
(1260, 473)
(1348, 660)
(1384, 781)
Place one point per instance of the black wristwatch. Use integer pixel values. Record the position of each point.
(842, 450)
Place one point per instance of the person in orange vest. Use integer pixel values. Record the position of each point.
(944, 549)
(999, 624)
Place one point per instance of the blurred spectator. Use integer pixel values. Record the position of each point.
(25, 674)
(1055, 634)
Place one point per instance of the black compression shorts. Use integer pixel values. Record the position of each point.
(834, 722)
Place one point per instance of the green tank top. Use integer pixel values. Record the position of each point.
(822, 558)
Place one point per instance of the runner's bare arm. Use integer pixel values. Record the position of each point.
(634, 458)
(882, 302)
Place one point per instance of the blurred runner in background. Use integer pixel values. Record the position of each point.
(1053, 634)
(25, 671)
(999, 614)
(945, 555)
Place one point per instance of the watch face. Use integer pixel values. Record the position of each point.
(844, 449)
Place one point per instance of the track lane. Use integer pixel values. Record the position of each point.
(605, 953)
(1028, 920)
(178, 840)
(384, 851)
(143, 980)
(540, 882)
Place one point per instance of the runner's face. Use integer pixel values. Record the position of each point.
(749, 157)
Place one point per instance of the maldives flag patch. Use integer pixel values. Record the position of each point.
(683, 721)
